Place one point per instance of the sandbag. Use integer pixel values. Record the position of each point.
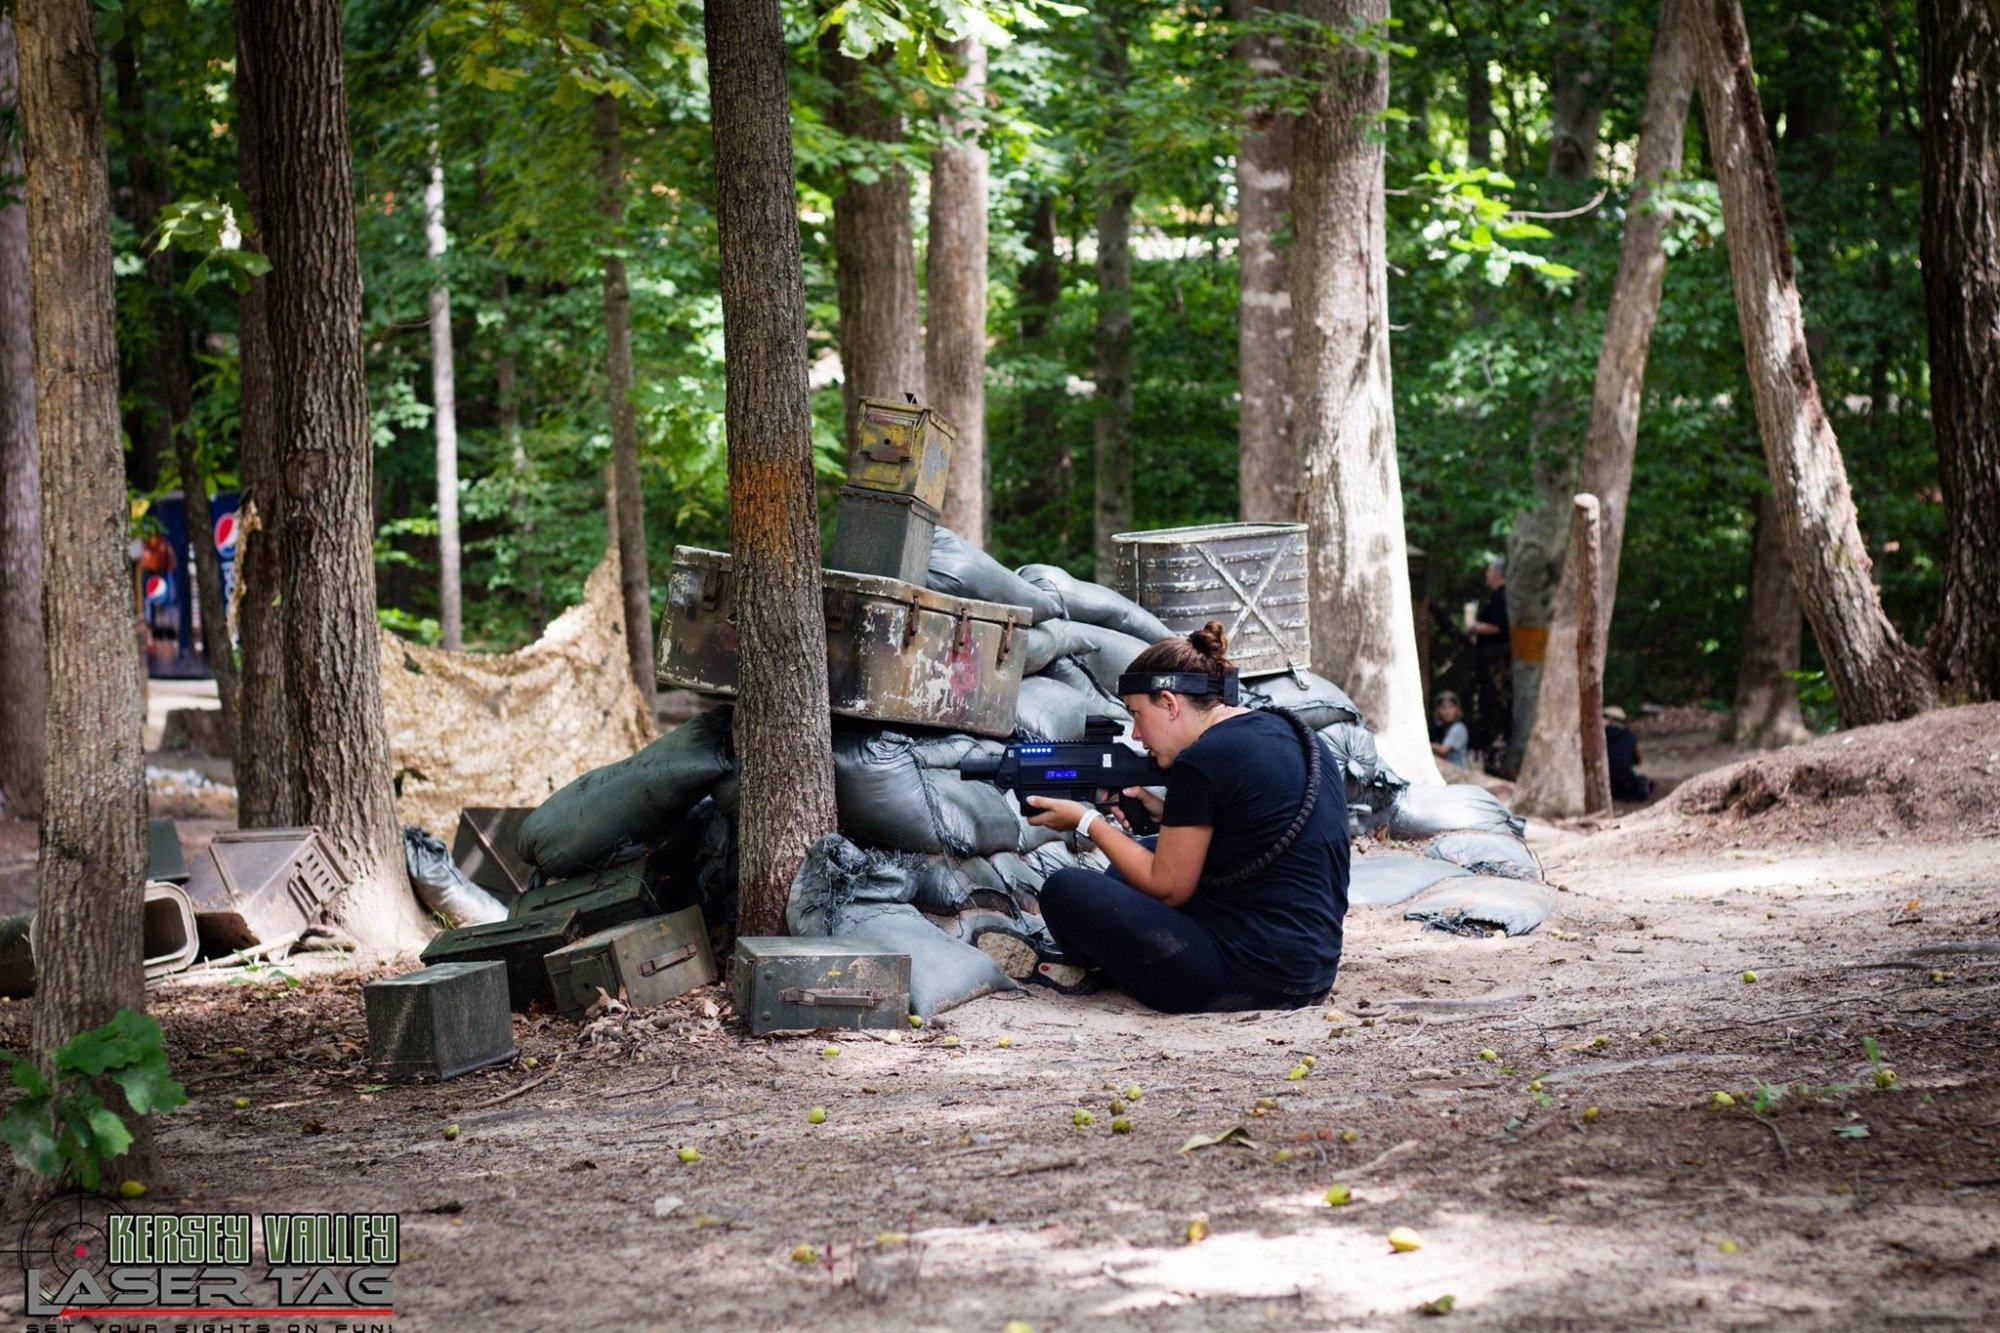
(1044, 643)
(1371, 785)
(1383, 879)
(944, 972)
(1070, 671)
(1095, 604)
(1049, 710)
(886, 798)
(963, 570)
(1501, 854)
(613, 813)
(1319, 701)
(1425, 812)
(441, 887)
(1480, 904)
(936, 886)
(1108, 655)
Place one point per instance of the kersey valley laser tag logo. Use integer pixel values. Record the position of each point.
(92, 1258)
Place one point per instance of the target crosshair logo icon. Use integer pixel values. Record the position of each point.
(68, 1233)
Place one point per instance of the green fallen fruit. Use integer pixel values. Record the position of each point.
(829, 1050)
(451, 1131)
(1133, 1092)
(1308, 1061)
(1121, 1124)
(241, 1103)
(1722, 1099)
(1589, 1114)
(1116, 1106)
(1298, 1072)
(1885, 1077)
(1349, 1135)
(816, 1116)
(1339, 1196)
(1749, 976)
(916, 1020)
(1600, 1041)
(952, 1039)
(689, 1154)
(131, 1189)
(1080, 1117)
(804, 1254)
(1490, 1055)
(1402, 1240)
(1004, 1043)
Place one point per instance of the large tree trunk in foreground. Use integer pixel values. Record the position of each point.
(1551, 779)
(23, 665)
(784, 742)
(627, 500)
(1343, 416)
(263, 764)
(340, 748)
(1115, 191)
(169, 377)
(1960, 49)
(93, 843)
(874, 259)
(955, 282)
(444, 378)
(1267, 469)
(1767, 698)
(1876, 675)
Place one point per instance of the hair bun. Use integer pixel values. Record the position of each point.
(1211, 640)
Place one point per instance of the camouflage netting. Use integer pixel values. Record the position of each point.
(508, 729)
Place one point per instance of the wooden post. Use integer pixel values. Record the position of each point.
(1586, 552)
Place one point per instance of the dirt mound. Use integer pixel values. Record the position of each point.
(1935, 777)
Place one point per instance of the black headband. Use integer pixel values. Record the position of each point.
(1196, 683)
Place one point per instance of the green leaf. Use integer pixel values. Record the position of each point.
(111, 1135)
(1235, 1134)
(1522, 231)
(28, 1077)
(28, 1130)
(149, 1087)
(1851, 1132)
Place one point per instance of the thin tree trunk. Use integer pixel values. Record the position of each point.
(169, 376)
(1343, 413)
(444, 379)
(340, 748)
(627, 500)
(1767, 698)
(1876, 675)
(784, 743)
(1551, 778)
(1115, 191)
(1959, 41)
(874, 258)
(263, 763)
(1586, 558)
(955, 287)
(23, 664)
(1042, 438)
(1267, 469)
(93, 850)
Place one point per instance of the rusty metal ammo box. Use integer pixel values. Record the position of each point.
(896, 652)
(601, 899)
(1250, 576)
(644, 962)
(875, 532)
(902, 448)
(521, 943)
(790, 982)
(439, 1022)
(263, 886)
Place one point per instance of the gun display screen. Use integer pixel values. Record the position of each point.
(1054, 773)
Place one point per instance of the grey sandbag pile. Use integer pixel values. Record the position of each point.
(1426, 812)
(1503, 854)
(963, 570)
(1317, 700)
(1372, 786)
(842, 891)
(441, 887)
(1479, 904)
(888, 796)
(1095, 604)
(1383, 879)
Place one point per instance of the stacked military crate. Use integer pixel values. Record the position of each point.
(1249, 576)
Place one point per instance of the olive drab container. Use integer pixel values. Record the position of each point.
(643, 963)
(896, 651)
(439, 1022)
(1250, 576)
(519, 942)
(263, 886)
(876, 532)
(600, 899)
(792, 982)
(904, 449)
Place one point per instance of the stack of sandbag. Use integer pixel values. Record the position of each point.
(1464, 865)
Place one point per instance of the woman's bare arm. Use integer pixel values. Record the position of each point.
(1169, 873)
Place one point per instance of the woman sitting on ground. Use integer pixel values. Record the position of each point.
(1204, 918)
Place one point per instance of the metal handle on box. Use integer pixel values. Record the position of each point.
(856, 999)
(667, 960)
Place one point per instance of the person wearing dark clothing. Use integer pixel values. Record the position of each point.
(1492, 664)
(1621, 749)
(1178, 923)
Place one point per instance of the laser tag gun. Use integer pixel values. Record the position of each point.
(1073, 771)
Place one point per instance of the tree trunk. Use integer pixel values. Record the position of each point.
(263, 763)
(507, 389)
(1267, 469)
(340, 749)
(1551, 778)
(1343, 414)
(23, 665)
(1959, 41)
(784, 742)
(93, 844)
(169, 378)
(1042, 439)
(1115, 190)
(874, 260)
(1876, 675)
(1767, 698)
(444, 380)
(627, 499)
(1586, 558)
(955, 283)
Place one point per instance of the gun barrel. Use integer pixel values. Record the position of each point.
(980, 767)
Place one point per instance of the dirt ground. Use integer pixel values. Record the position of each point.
(1615, 1193)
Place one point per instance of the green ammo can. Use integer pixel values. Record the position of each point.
(791, 982)
(519, 942)
(601, 899)
(644, 962)
(439, 1022)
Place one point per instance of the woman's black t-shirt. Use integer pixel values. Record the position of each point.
(1244, 778)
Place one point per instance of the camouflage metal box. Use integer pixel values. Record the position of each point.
(644, 962)
(789, 982)
(903, 448)
(1250, 576)
(896, 652)
(439, 1022)
(875, 532)
(521, 943)
(601, 899)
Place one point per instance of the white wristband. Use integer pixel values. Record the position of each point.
(1083, 824)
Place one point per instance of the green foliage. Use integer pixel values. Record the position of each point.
(60, 1126)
